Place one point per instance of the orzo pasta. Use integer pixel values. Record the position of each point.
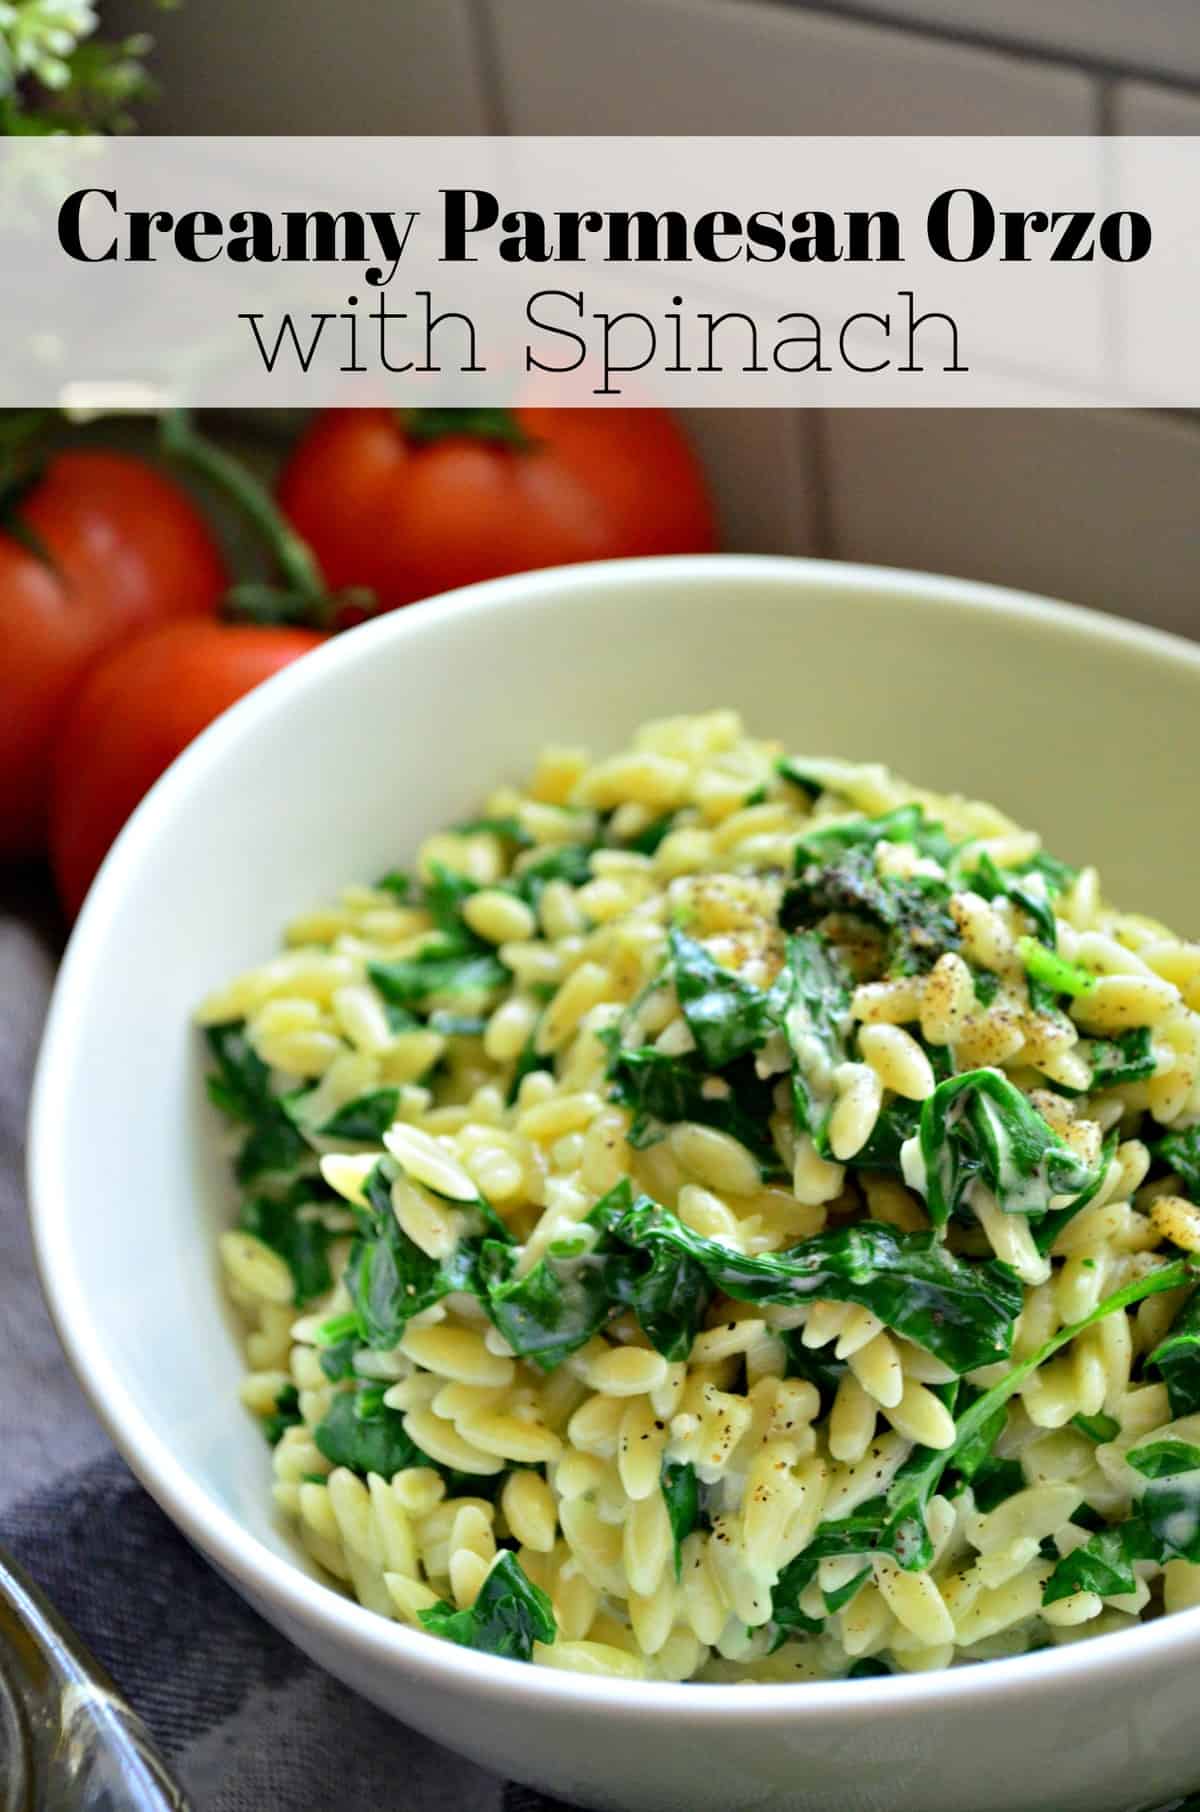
(726, 1217)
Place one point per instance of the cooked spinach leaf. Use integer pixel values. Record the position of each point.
(389, 1277)
(241, 1088)
(457, 1025)
(402, 1019)
(1089, 1519)
(668, 1295)
(663, 1089)
(570, 862)
(510, 830)
(1180, 1152)
(843, 882)
(681, 1494)
(646, 842)
(986, 985)
(810, 1002)
(1047, 1229)
(992, 882)
(837, 1600)
(789, 1620)
(1058, 875)
(360, 1431)
(570, 1293)
(1164, 1459)
(446, 893)
(1042, 999)
(795, 772)
(843, 1538)
(994, 1481)
(439, 972)
(1126, 1058)
(1097, 1428)
(644, 1259)
(400, 885)
(726, 1015)
(904, 824)
(507, 1618)
(961, 1312)
(1165, 1526)
(911, 914)
(285, 1415)
(365, 1119)
(1176, 1359)
(817, 1364)
(1101, 1565)
(241, 1085)
(530, 1059)
(338, 1344)
(895, 1124)
(274, 1147)
(337, 1359)
(1171, 1517)
(979, 1125)
(287, 1224)
(553, 1309)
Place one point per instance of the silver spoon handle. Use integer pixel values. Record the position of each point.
(67, 1736)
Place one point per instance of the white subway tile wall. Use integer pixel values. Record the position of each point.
(739, 66)
(1148, 107)
(1098, 507)
(764, 466)
(1158, 35)
(297, 66)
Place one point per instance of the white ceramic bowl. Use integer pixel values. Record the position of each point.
(1076, 723)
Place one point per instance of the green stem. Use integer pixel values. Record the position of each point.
(19, 429)
(292, 556)
(911, 1490)
(1168, 1277)
(499, 426)
(1054, 971)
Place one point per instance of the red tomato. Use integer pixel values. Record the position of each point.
(124, 548)
(135, 713)
(408, 516)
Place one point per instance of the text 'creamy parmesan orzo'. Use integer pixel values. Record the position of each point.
(726, 1217)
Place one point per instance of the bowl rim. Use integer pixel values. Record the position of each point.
(267, 1577)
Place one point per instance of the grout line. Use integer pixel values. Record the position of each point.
(1113, 313)
(488, 54)
(820, 471)
(1082, 61)
(1106, 108)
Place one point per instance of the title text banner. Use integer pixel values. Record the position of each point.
(689, 272)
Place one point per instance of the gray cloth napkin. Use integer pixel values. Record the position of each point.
(247, 1721)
